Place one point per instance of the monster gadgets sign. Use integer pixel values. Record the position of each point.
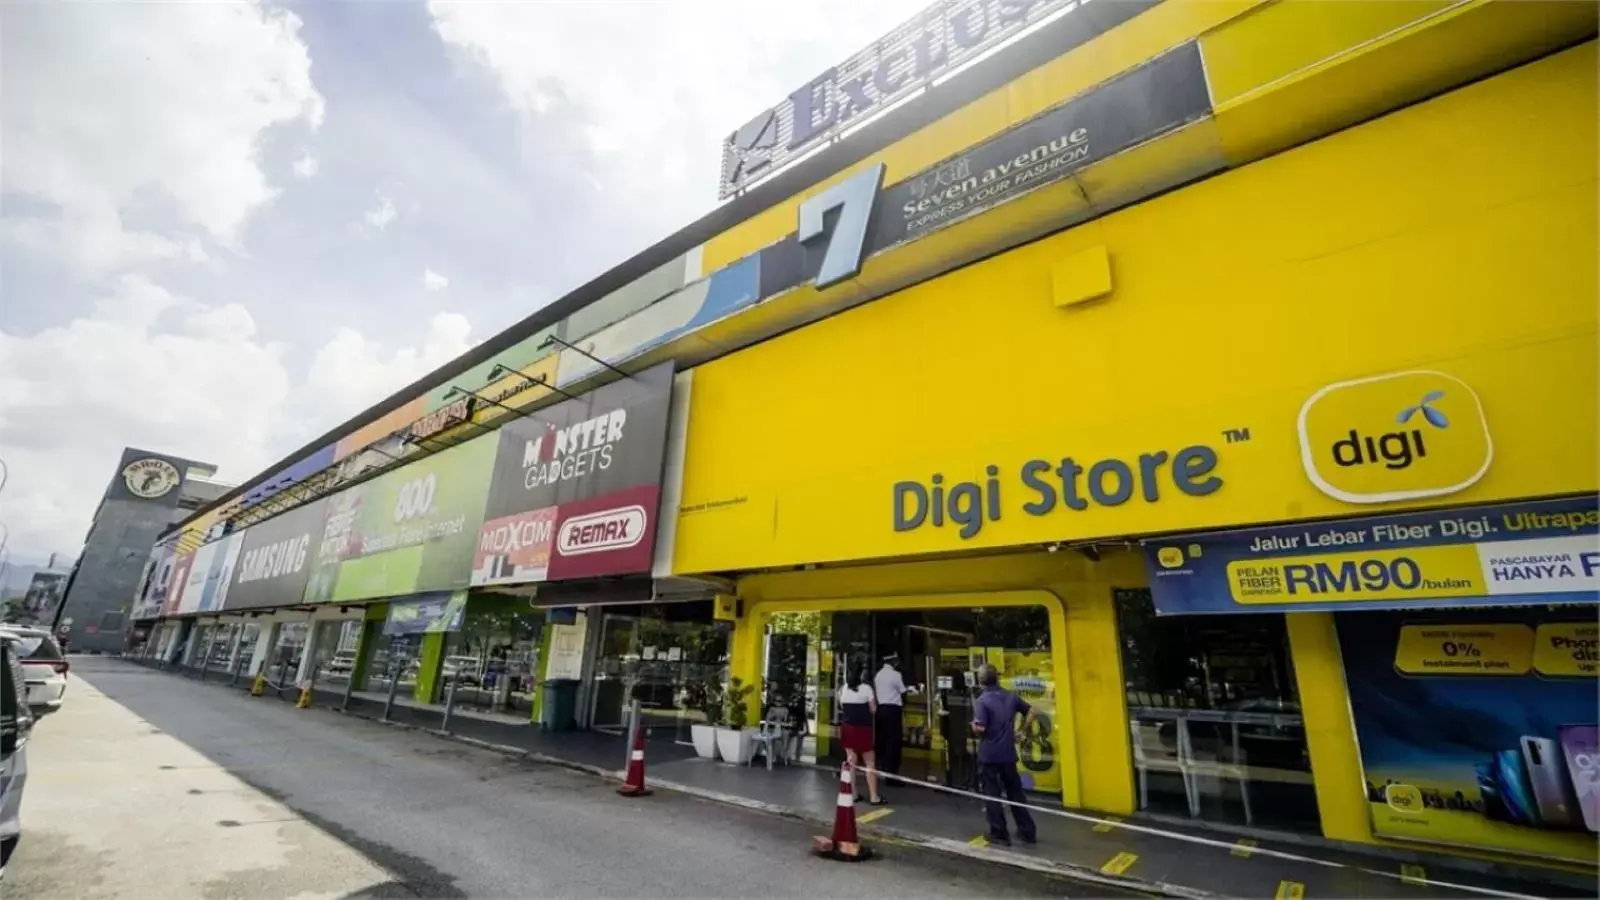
(576, 486)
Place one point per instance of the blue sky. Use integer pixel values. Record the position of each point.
(227, 227)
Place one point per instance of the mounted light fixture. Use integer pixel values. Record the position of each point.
(489, 400)
(542, 381)
(552, 339)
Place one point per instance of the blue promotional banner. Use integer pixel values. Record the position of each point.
(426, 614)
(1537, 552)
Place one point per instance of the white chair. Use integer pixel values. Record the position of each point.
(773, 737)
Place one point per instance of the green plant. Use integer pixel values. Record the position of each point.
(706, 696)
(736, 703)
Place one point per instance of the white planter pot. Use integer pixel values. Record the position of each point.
(734, 745)
(705, 740)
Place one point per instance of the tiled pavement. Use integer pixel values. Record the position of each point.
(1157, 856)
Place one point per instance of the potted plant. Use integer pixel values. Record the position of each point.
(706, 697)
(733, 733)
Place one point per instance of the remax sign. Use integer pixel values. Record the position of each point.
(936, 41)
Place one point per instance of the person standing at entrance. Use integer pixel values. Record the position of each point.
(856, 708)
(994, 720)
(890, 717)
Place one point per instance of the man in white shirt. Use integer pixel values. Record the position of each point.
(891, 690)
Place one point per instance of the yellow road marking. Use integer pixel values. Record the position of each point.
(1413, 874)
(1120, 863)
(1243, 848)
(1290, 890)
(979, 841)
(1105, 826)
(873, 816)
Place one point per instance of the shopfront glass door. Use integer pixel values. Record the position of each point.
(671, 657)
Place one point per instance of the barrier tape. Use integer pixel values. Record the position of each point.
(1202, 841)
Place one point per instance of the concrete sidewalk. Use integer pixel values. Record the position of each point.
(1139, 853)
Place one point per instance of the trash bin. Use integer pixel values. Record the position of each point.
(560, 705)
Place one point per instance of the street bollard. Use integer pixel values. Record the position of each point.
(394, 684)
(633, 732)
(349, 688)
(449, 702)
(259, 686)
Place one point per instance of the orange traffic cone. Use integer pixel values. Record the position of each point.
(845, 844)
(634, 786)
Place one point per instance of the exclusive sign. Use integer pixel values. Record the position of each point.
(938, 40)
(1519, 554)
(576, 486)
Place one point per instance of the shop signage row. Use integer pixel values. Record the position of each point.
(570, 491)
(938, 40)
(1532, 553)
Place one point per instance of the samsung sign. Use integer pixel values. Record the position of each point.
(939, 39)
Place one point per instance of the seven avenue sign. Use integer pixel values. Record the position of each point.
(940, 38)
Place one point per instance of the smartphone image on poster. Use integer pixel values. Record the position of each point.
(1511, 781)
(1547, 775)
(1580, 744)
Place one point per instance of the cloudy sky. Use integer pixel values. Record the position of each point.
(225, 228)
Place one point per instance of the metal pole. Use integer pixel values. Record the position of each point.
(205, 654)
(277, 689)
(633, 732)
(394, 684)
(350, 686)
(238, 658)
(450, 700)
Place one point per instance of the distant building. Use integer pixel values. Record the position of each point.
(148, 493)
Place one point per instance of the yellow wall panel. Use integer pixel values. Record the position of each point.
(1278, 39)
(1383, 247)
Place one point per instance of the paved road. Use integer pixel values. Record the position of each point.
(147, 784)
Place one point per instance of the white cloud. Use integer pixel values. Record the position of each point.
(382, 215)
(351, 372)
(306, 165)
(152, 369)
(112, 107)
(433, 281)
(658, 85)
(146, 368)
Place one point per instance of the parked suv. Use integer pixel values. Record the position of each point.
(16, 721)
(45, 667)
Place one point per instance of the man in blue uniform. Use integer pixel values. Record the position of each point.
(994, 719)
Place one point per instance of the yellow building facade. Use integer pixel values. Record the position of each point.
(1031, 431)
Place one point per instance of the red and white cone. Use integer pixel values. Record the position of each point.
(634, 785)
(845, 844)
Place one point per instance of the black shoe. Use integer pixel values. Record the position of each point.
(881, 801)
(858, 798)
(1029, 838)
(1002, 841)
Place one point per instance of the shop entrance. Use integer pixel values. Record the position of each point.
(811, 656)
(666, 655)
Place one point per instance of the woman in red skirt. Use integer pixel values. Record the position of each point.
(857, 706)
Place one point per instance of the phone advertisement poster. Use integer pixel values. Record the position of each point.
(1478, 729)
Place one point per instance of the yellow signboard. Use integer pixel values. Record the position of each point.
(1464, 650)
(1400, 574)
(1567, 649)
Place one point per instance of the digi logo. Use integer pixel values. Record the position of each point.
(1394, 437)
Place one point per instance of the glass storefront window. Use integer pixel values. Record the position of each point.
(1214, 716)
(494, 658)
(809, 656)
(670, 656)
